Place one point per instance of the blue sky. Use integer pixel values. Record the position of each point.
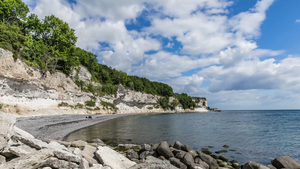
(239, 54)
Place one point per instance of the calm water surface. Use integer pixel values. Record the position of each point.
(258, 136)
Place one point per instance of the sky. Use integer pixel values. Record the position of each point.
(239, 54)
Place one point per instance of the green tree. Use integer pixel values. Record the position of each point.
(13, 11)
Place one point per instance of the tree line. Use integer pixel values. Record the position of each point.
(49, 44)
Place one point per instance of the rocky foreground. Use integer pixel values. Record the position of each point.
(19, 150)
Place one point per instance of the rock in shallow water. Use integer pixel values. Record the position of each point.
(254, 165)
(209, 160)
(285, 162)
(131, 154)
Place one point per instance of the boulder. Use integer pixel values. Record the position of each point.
(154, 163)
(177, 145)
(144, 154)
(254, 165)
(206, 151)
(189, 149)
(64, 155)
(188, 160)
(180, 154)
(22, 133)
(177, 163)
(146, 147)
(125, 147)
(223, 164)
(79, 144)
(89, 154)
(154, 146)
(285, 162)
(201, 163)
(32, 142)
(2, 159)
(56, 163)
(7, 122)
(237, 166)
(77, 152)
(31, 161)
(223, 158)
(271, 166)
(221, 151)
(131, 154)
(98, 142)
(53, 145)
(161, 158)
(21, 150)
(209, 160)
(109, 157)
(84, 164)
(164, 150)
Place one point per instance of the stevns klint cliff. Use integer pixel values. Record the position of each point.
(25, 91)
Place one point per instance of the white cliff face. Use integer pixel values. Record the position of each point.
(24, 91)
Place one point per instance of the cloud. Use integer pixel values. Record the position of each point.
(298, 21)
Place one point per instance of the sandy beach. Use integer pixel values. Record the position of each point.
(58, 126)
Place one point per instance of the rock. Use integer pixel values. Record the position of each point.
(164, 150)
(161, 158)
(131, 154)
(2, 159)
(254, 165)
(125, 147)
(222, 164)
(64, 155)
(219, 161)
(214, 156)
(79, 144)
(77, 152)
(144, 154)
(47, 168)
(236, 165)
(233, 161)
(98, 142)
(53, 145)
(180, 154)
(221, 151)
(21, 150)
(56, 163)
(177, 145)
(84, 164)
(226, 146)
(96, 166)
(30, 161)
(285, 162)
(223, 158)
(229, 167)
(188, 160)
(209, 160)
(154, 146)
(22, 133)
(89, 154)
(112, 158)
(154, 163)
(206, 151)
(32, 142)
(177, 163)
(64, 143)
(201, 163)
(189, 149)
(7, 122)
(146, 147)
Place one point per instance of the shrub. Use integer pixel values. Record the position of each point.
(150, 108)
(63, 104)
(78, 105)
(1, 105)
(90, 103)
(108, 106)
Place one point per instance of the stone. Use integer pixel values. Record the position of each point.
(7, 122)
(161, 158)
(285, 162)
(21, 150)
(84, 164)
(229, 167)
(64, 143)
(254, 165)
(77, 152)
(236, 165)
(206, 151)
(221, 151)
(154, 146)
(233, 161)
(177, 163)
(53, 145)
(188, 160)
(30, 161)
(32, 142)
(177, 145)
(154, 163)
(109, 157)
(56, 163)
(125, 147)
(89, 154)
(226, 146)
(2, 159)
(79, 144)
(47, 168)
(164, 150)
(214, 156)
(271, 166)
(144, 154)
(222, 164)
(20, 132)
(223, 158)
(146, 147)
(131, 154)
(201, 163)
(64, 155)
(189, 149)
(98, 142)
(96, 166)
(209, 160)
(180, 154)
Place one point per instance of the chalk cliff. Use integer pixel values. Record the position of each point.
(25, 91)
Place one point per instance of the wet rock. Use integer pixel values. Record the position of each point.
(221, 151)
(35, 160)
(214, 156)
(89, 154)
(164, 150)
(226, 146)
(235, 165)
(209, 160)
(125, 147)
(177, 163)
(189, 149)
(285, 162)
(79, 144)
(146, 147)
(223, 158)
(222, 164)
(254, 165)
(188, 160)
(56, 163)
(109, 157)
(144, 154)
(233, 161)
(177, 145)
(206, 151)
(131, 154)
(154, 163)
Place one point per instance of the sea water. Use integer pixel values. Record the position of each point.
(258, 136)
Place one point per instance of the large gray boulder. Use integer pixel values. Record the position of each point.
(254, 165)
(188, 160)
(285, 162)
(189, 149)
(154, 163)
(111, 158)
(209, 160)
(7, 122)
(144, 154)
(21, 150)
(146, 147)
(31, 161)
(56, 163)
(176, 162)
(89, 154)
(164, 150)
(64, 155)
(131, 154)
(177, 145)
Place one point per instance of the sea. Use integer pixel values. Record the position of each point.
(259, 135)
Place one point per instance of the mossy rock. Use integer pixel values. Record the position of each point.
(219, 161)
(214, 156)
(229, 167)
(221, 151)
(235, 165)
(223, 164)
(226, 146)
(223, 158)
(233, 161)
